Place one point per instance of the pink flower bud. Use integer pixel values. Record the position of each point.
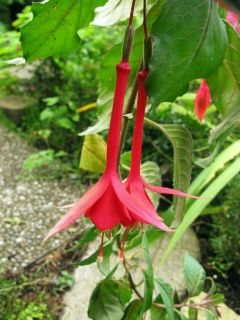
(202, 100)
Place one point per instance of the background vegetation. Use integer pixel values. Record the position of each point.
(63, 93)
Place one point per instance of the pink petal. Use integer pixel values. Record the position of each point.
(138, 193)
(142, 212)
(232, 18)
(163, 190)
(108, 211)
(85, 202)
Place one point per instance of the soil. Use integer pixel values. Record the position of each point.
(39, 279)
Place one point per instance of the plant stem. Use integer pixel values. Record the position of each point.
(205, 302)
(130, 279)
(145, 18)
(131, 13)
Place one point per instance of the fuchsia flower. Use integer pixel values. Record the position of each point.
(135, 184)
(233, 19)
(108, 203)
(202, 100)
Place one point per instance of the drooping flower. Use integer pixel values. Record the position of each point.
(202, 100)
(233, 19)
(108, 203)
(135, 184)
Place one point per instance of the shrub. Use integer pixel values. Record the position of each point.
(225, 237)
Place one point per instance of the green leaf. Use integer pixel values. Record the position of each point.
(158, 313)
(108, 300)
(213, 286)
(183, 48)
(217, 298)
(225, 82)
(64, 123)
(223, 129)
(210, 315)
(107, 74)
(194, 276)
(107, 249)
(53, 30)
(89, 235)
(39, 159)
(93, 157)
(192, 314)
(208, 174)
(181, 141)
(199, 205)
(148, 276)
(133, 311)
(166, 293)
(47, 115)
(151, 173)
(179, 315)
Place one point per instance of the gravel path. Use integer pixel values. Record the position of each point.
(27, 209)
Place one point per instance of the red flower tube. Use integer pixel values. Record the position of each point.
(202, 100)
(108, 203)
(135, 184)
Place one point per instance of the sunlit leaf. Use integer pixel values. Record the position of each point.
(53, 30)
(93, 156)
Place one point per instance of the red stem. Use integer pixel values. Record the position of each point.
(138, 126)
(131, 13)
(123, 71)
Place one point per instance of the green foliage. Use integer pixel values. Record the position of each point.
(148, 276)
(166, 294)
(108, 300)
(33, 312)
(224, 236)
(14, 305)
(194, 276)
(225, 82)
(224, 128)
(181, 141)
(183, 47)
(199, 205)
(64, 18)
(133, 311)
(93, 156)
